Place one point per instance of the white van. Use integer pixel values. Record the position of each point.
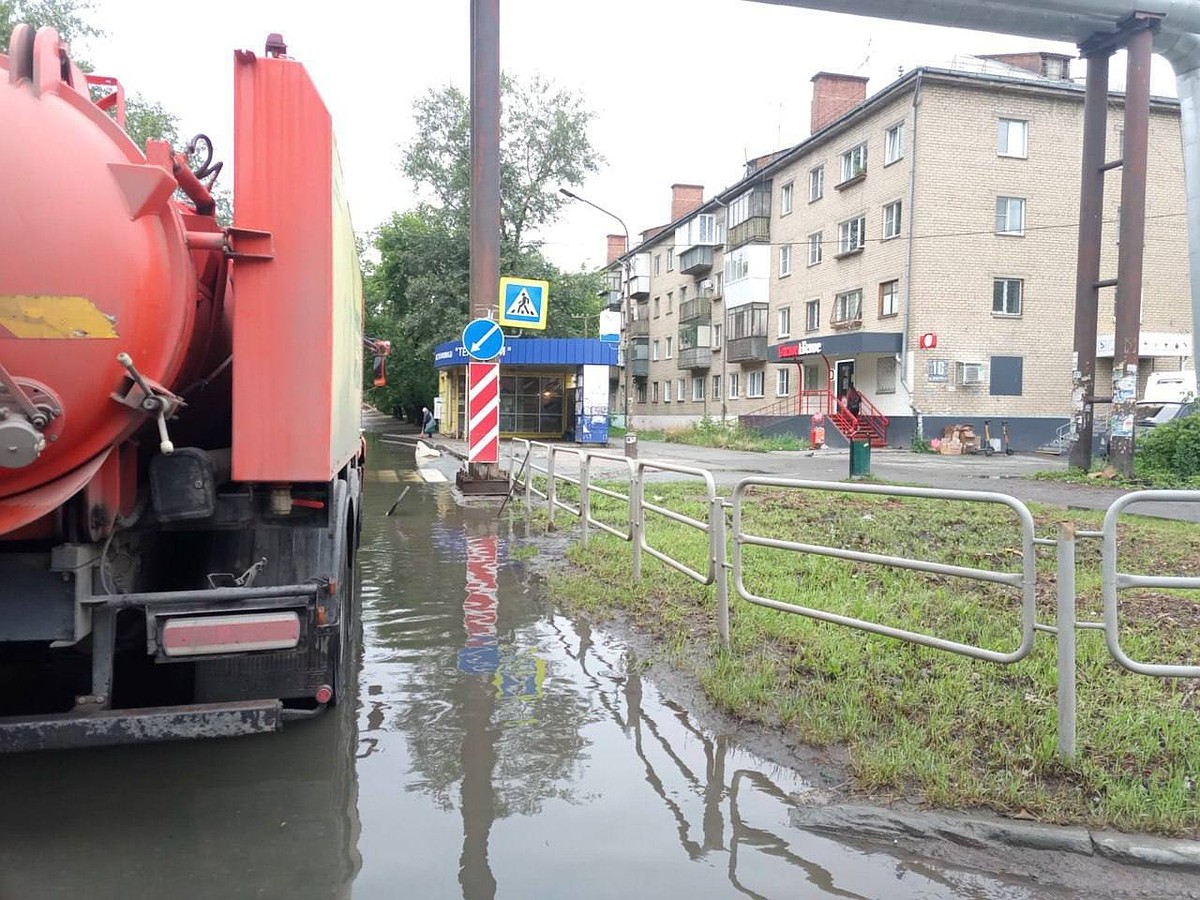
(1171, 387)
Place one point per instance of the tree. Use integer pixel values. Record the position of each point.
(544, 144)
(67, 17)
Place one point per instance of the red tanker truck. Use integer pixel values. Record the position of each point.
(180, 450)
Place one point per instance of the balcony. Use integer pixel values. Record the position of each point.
(697, 310)
(696, 261)
(756, 229)
(747, 348)
(639, 328)
(641, 359)
(695, 358)
(612, 299)
(639, 286)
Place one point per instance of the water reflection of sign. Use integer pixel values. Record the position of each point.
(939, 370)
(480, 654)
(520, 676)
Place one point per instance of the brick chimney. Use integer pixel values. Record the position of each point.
(834, 96)
(685, 198)
(616, 246)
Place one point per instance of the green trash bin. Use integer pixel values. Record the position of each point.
(860, 458)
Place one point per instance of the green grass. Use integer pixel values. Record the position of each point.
(710, 433)
(960, 732)
(1144, 479)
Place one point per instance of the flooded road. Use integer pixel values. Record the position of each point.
(498, 748)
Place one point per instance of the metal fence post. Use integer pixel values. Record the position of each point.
(720, 556)
(528, 481)
(550, 492)
(1066, 641)
(585, 466)
(636, 523)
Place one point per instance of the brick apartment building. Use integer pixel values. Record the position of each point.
(921, 242)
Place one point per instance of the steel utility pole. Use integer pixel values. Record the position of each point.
(485, 174)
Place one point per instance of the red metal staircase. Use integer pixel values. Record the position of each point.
(870, 424)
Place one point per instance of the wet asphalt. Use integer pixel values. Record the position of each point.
(499, 747)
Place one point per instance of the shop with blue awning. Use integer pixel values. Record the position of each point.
(550, 388)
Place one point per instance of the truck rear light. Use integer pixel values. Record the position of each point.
(197, 636)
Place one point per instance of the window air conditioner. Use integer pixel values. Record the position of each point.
(970, 373)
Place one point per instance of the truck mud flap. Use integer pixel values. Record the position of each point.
(101, 728)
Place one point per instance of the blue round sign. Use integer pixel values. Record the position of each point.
(483, 339)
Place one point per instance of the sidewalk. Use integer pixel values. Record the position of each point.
(1011, 475)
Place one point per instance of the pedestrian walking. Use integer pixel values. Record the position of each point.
(853, 399)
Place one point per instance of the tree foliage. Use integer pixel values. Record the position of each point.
(67, 17)
(418, 292)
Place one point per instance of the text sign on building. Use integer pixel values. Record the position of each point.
(483, 412)
(523, 303)
(939, 370)
(804, 348)
(483, 339)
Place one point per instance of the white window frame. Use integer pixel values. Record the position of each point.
(854, 162)
(785, 322)
(734, 387)
(1004, 224)
(893, 143)
(783, 382)
(716, 335)
(895, 295)
(669, 341)
(654, 348)
(680, 390)
(756, 376)
(1004, 138)
(785, 260)
(852, 235)
(670, 259)
(845, 305)
(815, 244)
(786, 197)
(893, 219)
(716, 387)
(697, 382)
(1005, 312)
(812, 314)
(816, 183)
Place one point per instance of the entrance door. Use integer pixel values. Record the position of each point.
(845, 374)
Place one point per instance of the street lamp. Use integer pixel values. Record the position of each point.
(625, 266)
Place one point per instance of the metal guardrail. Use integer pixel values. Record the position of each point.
(721, 566)
(1025, 581)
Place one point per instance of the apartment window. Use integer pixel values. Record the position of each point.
(847, 306)
(885, 375)
(654, 393)
(671, 260)
(1007, 296)
(657, 263)
(854, 162)
(812, 380)
(682, 295)
(816, 184)
(654, 355)
(680, 390)
(670, 302)
(785, 321)
(737, 265)
(656, 302)
(889, 299)
(716, 392)
(893, 144)
(641, 392)
(716, 336)
(814, 248)
(785, 260)
(666, 391)
(1013, 138)
(754, 384)
(734, 388)
(1010, 215)
(892, 214)
(669, 340)
(785, 199)
(698, 388)
(783, 382)
(852, 235)
(812, 315)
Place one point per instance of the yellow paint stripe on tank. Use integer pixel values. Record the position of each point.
(48, 316)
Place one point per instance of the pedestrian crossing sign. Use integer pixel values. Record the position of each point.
(523, 303)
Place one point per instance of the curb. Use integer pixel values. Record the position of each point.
(888, 825)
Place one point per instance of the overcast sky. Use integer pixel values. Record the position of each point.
(683, 90)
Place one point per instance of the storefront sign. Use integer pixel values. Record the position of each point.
(804, 348)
